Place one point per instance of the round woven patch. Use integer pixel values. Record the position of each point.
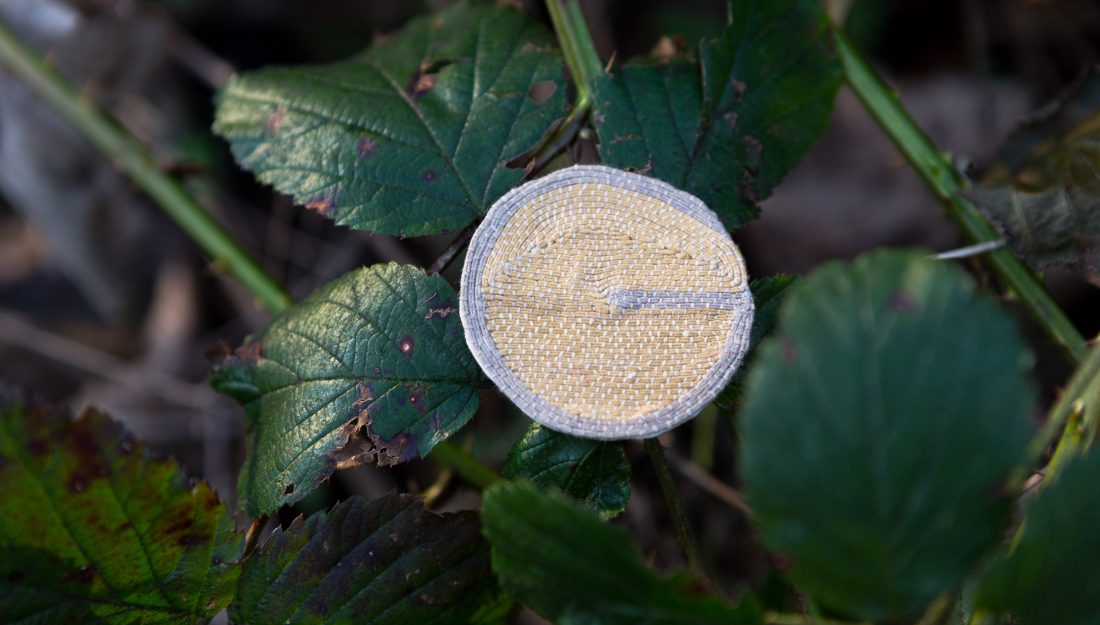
(605, 304)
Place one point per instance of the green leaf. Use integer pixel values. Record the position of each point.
(767, 295)
(564, 562)
(881, 425)
(595, 472)
(410, 137)
(93, 530)
(387, 561)
(1052, 574)
(371, 367)
(729, 128)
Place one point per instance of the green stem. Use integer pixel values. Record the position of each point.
(451, 456)
(939, 174)
(576, 46)
(675, 509)
(132, 157)
(1077, 414)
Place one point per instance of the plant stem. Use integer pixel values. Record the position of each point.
(1077, 413)
(131, 156)
(675, 509)
(451, 456)
(576, 46)
(454, 249)
(939, 174)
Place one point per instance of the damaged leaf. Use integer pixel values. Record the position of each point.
(728, 128)
(94, 530)
(388, 561)
(410, 137)
(767, 295)
(595, 472)
(1044, 194)
(367, 369)
(562, 561)
(882, 421)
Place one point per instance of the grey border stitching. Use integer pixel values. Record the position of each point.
(472, 311)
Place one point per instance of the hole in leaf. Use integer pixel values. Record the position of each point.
(288, 490)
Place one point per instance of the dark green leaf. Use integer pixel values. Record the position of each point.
(729, 128)
(1052, 574)
(767, 295)
(1044, 195)
(93, 530)
(387, 561)
(371, 367)
(595, 472)
(881, 424)
(410, 137)
(564, 562)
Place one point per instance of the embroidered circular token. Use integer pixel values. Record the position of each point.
(605, 304)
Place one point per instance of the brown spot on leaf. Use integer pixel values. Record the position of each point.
(540, 92)
(902, 302)
(533, 47)
(366, 146)
(365, 396)
(738, 89)
(193, 540)
(443, 312)
(424, 83)
(182, 524)
(429, 175)
(754, 152)
(275, 121)
(322, 204)
(406, 344)
(788, 351)
(417, 397)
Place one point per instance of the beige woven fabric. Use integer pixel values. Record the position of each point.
(605, 304)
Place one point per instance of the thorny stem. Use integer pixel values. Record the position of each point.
(941, 177)
(675, 509)
(577, 47)
(451, 456)
(1077, 413)
(939, 174)
(132, 157)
